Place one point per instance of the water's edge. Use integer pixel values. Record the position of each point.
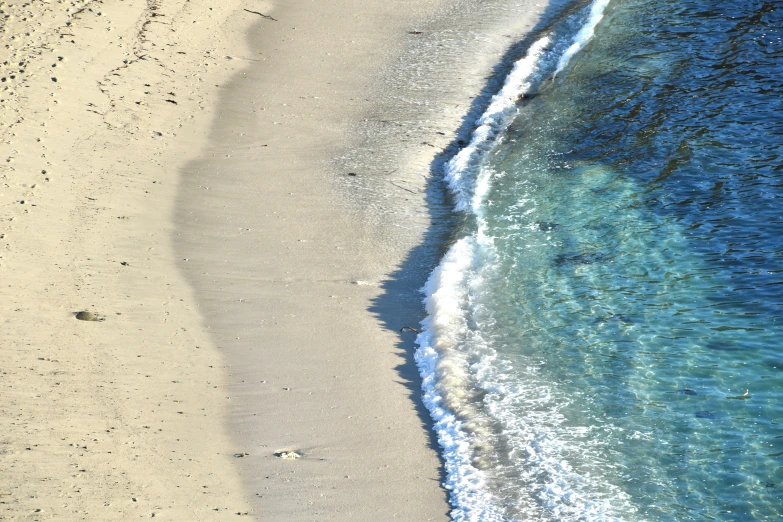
(443, 366)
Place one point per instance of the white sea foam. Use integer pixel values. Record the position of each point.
(584, 35)
(460, 171)
(456, 364)
(443, 368)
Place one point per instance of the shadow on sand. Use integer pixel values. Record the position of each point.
(401, 304)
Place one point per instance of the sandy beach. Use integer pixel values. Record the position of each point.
(244, 196)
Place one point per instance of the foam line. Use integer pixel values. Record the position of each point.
(584, 35)
(442, 365)
(458, 171)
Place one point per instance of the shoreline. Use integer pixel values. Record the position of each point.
(128, 125)
(288, 267)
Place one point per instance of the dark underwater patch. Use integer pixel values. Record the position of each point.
(581, 258)
(545, 226)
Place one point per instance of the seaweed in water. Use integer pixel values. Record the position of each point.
(615, 317)
(581, 258)
(545, 226)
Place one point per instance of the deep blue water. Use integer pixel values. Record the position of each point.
(619, 348)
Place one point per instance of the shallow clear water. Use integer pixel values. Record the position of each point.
(613, 348)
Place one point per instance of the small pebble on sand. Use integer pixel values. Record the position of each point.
(288, 455)
(87, 316)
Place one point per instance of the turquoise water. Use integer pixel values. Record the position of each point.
(605, 340)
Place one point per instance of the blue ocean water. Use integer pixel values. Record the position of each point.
(604, 341)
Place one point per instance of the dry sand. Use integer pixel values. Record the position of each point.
(269, 323)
